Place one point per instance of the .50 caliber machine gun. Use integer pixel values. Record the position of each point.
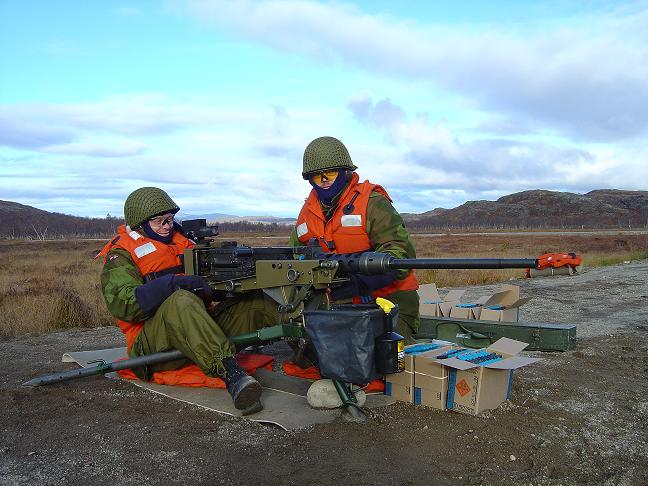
(293, 275)
(297, 279)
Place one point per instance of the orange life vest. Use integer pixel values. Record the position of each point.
(312, 373)
(149, 256)
(152, 256)
(346, 231)
(557, 260)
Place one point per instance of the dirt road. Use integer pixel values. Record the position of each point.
(575, 418)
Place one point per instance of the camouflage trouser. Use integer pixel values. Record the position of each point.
(183, 323)
(408, 313)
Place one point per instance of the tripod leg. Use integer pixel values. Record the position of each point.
(349, 401)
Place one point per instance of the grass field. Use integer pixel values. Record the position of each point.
(50, 285)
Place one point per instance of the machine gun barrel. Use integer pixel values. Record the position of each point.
(374, 263)
(461, 263)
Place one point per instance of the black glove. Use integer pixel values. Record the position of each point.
(195, 284)
(152, 294)
(362, 285)
(192, 283)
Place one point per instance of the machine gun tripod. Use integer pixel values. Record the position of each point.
(297, 279)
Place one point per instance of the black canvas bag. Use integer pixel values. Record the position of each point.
(344, 338)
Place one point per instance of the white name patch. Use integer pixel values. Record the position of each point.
(302, 229)
(145, 249)
(352, 220)
(135, 235)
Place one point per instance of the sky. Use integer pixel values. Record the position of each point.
(215, 101)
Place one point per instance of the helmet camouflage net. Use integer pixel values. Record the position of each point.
(325, 153)
(146, 202)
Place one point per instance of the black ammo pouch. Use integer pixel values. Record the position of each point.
(344, 338)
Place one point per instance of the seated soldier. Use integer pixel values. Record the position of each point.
(159, 309)
(347, 216)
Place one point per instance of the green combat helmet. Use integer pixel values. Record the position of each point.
(326, 153)
(146, 202)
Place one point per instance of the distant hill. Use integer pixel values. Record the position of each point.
(216, 218)
(21, 221)
(603, 208)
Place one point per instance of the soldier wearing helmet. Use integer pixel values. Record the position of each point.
(159, 309)
(347, 216)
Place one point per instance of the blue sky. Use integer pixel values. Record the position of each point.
(215, 101)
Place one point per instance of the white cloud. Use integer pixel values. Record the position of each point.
(144, 114)
(121, 148)
(29, 133)
(211, 157)
(427, 165)
(588, 80)
(248, 160)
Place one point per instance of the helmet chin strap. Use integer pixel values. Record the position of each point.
(327, 195)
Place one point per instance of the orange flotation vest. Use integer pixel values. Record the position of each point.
(557, 260)
(345, 231)
(153, 256)
(150, 256)
(312, 373)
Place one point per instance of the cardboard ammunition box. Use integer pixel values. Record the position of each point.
(431, 303)
(409, 358)
(431, 378)
(411, 351)
(473, 388)
(430, 391)
(507, 309)
(501, 306)
(427, 364)
(466, 311)
(400, 386)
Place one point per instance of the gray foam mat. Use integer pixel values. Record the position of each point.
(284, 397)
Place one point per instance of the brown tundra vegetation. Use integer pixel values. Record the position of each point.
(50, 285)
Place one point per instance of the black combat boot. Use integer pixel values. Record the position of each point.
(245, 390)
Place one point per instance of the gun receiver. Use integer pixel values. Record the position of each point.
(234, 268)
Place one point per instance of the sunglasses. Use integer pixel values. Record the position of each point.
(162, 220)
(327, 175)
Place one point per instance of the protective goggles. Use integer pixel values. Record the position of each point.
(327, 175)
(165, 219)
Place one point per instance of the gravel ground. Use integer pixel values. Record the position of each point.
(575, 418)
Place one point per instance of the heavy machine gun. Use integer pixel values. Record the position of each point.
(296, 276)
(297, 279)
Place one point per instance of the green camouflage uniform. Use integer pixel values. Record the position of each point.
(387, 234)
(182, 321)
